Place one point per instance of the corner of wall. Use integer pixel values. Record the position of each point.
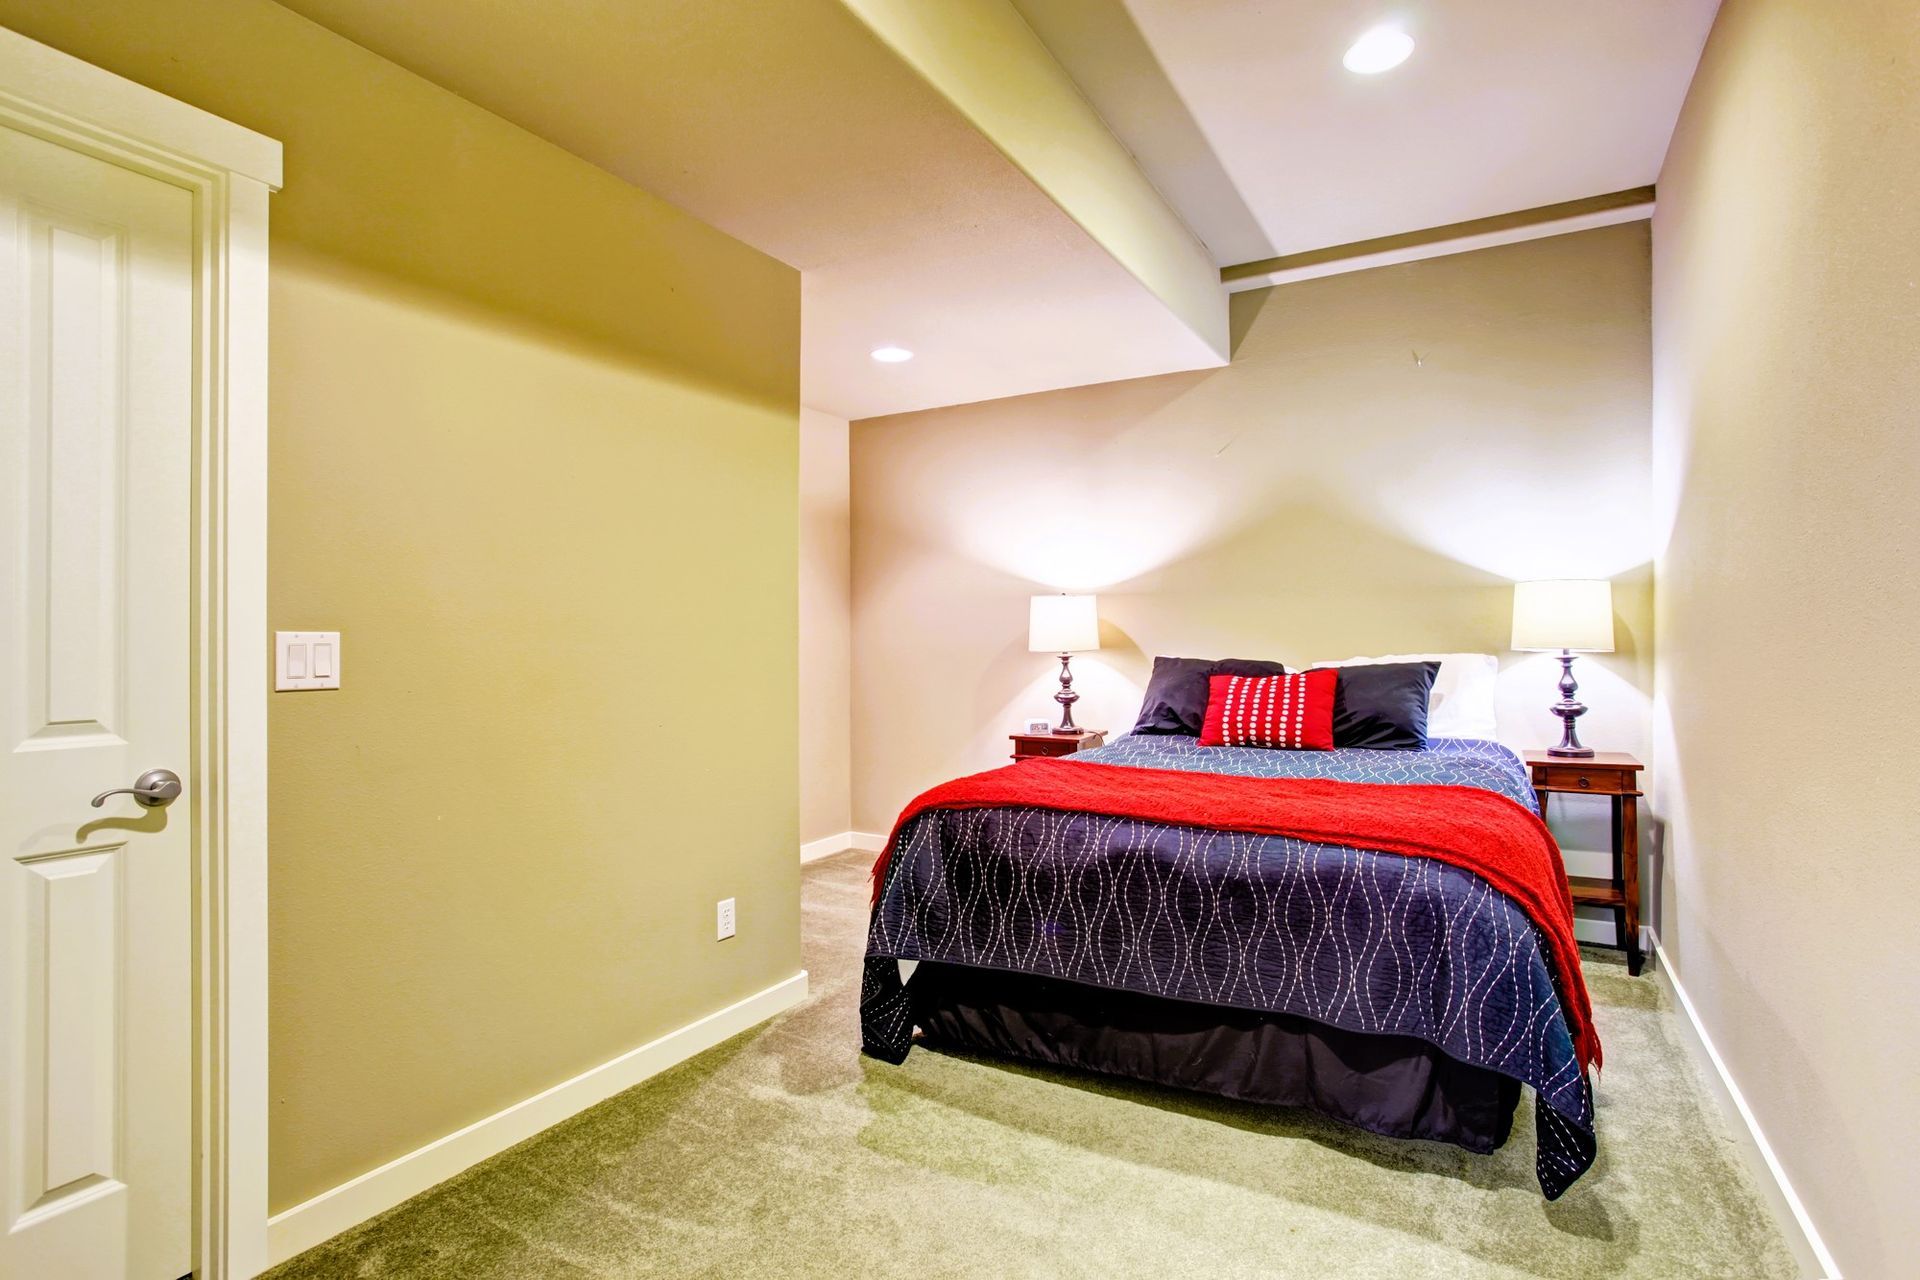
(826, 601)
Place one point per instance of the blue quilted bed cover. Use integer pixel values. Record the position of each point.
(1366, 941)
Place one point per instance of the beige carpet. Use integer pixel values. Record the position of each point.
(785, 1153)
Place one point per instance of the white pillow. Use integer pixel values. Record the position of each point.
(1461, 704)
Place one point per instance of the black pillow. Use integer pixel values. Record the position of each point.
(1176, 700)
(1383, 706)
(1242, 667)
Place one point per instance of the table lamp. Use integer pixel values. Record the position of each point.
(1065, 625)
(1572, 616)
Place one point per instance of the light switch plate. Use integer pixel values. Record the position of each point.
(306, 660)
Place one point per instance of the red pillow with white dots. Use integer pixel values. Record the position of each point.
(1290, 712)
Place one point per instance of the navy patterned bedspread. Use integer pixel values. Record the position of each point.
(1366, 941)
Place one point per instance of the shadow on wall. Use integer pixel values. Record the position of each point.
(1176, 478)
(1311, 576)
(1243, 309)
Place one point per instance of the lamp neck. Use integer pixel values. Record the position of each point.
(1568, 685)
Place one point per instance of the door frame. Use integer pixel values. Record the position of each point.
(230, 171)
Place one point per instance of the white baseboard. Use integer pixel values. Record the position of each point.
(331, 1212)
(827, 846)
(1601, 931)
(1804, 1238)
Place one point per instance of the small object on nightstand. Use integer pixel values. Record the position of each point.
(1574, 617)
(1029, 746)
(1616, 775)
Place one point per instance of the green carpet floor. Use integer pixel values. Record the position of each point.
(785, 1153)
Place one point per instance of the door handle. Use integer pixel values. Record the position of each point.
(154, 789)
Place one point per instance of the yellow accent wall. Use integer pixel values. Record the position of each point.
(1387, 453)
(534, 455)
(1787, 494)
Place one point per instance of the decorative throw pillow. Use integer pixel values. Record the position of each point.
(1176, 699)
(1382, 706)
(1461, 702)
(1290, 712)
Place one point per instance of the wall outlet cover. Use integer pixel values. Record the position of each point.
(723, 919)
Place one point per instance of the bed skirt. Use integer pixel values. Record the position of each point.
(1392, 1085)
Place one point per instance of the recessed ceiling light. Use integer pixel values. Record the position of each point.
(892, 355)
(1381, 49)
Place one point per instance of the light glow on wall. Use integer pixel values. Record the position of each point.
(1504, 520)
(1080, 534)
(1381, 49)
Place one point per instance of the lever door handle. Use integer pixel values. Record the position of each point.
(154, 789)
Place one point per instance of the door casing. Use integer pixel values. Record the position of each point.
(230, 172)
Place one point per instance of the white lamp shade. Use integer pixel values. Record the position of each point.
(1063, 624)
(1563, 614)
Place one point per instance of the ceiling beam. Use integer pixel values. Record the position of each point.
(984, 59)
(1435, 242)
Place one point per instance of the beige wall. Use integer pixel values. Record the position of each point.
(1787, 465)
(1388, 451)
(533, 454)
(826, 602)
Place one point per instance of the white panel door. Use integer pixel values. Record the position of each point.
(96, 398)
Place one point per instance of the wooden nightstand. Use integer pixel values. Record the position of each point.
(1028, 745)
(1616, 775)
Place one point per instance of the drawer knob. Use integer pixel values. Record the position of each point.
(1585, 782)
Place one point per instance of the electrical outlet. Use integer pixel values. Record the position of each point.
(724, 919)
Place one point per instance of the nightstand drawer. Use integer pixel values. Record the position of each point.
(1027, 746)
(1575, 778)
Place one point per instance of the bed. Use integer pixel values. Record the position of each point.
(1402, 994)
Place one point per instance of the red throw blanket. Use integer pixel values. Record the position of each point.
(1503, 843)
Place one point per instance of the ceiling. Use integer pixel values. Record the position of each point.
(1013, 246)
(794, 128)
(1242, 114)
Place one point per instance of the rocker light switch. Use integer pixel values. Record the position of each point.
(306, 660)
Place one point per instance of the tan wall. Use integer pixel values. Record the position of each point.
(1787, 465)
(533, 454)
(826, 601)
(1386, 453)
